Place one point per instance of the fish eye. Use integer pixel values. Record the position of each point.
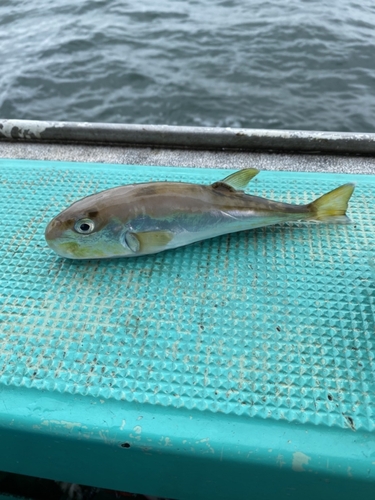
(84, 226)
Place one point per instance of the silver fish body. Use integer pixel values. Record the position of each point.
(142, 219)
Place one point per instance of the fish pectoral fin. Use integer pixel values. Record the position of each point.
(149, 241)
(239, 180)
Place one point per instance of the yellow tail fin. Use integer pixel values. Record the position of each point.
(331, 207)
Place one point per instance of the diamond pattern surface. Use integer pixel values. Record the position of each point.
(272, 323)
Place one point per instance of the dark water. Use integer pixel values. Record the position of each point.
(299, 64)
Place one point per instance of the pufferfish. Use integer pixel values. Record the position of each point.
(147, 218)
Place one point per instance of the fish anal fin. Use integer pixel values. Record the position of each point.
(152, 241)
(238, 180)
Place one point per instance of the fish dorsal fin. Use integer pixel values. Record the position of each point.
(237, 181)
(219, 185)
(148, 241)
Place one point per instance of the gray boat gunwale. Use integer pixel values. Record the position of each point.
(184, 137)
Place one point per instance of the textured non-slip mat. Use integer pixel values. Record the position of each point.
(274, 323)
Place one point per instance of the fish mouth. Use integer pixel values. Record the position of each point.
(67, 248)
(71, 250)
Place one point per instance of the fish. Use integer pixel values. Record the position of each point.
(147, 218)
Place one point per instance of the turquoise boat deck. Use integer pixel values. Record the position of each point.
(238, 367)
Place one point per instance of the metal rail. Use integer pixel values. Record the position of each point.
(208, 138)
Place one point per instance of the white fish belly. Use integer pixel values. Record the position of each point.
(230, 224)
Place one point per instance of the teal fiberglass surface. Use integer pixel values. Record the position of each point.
(275, 323)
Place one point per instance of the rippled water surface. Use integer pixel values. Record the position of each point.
(300, 64)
